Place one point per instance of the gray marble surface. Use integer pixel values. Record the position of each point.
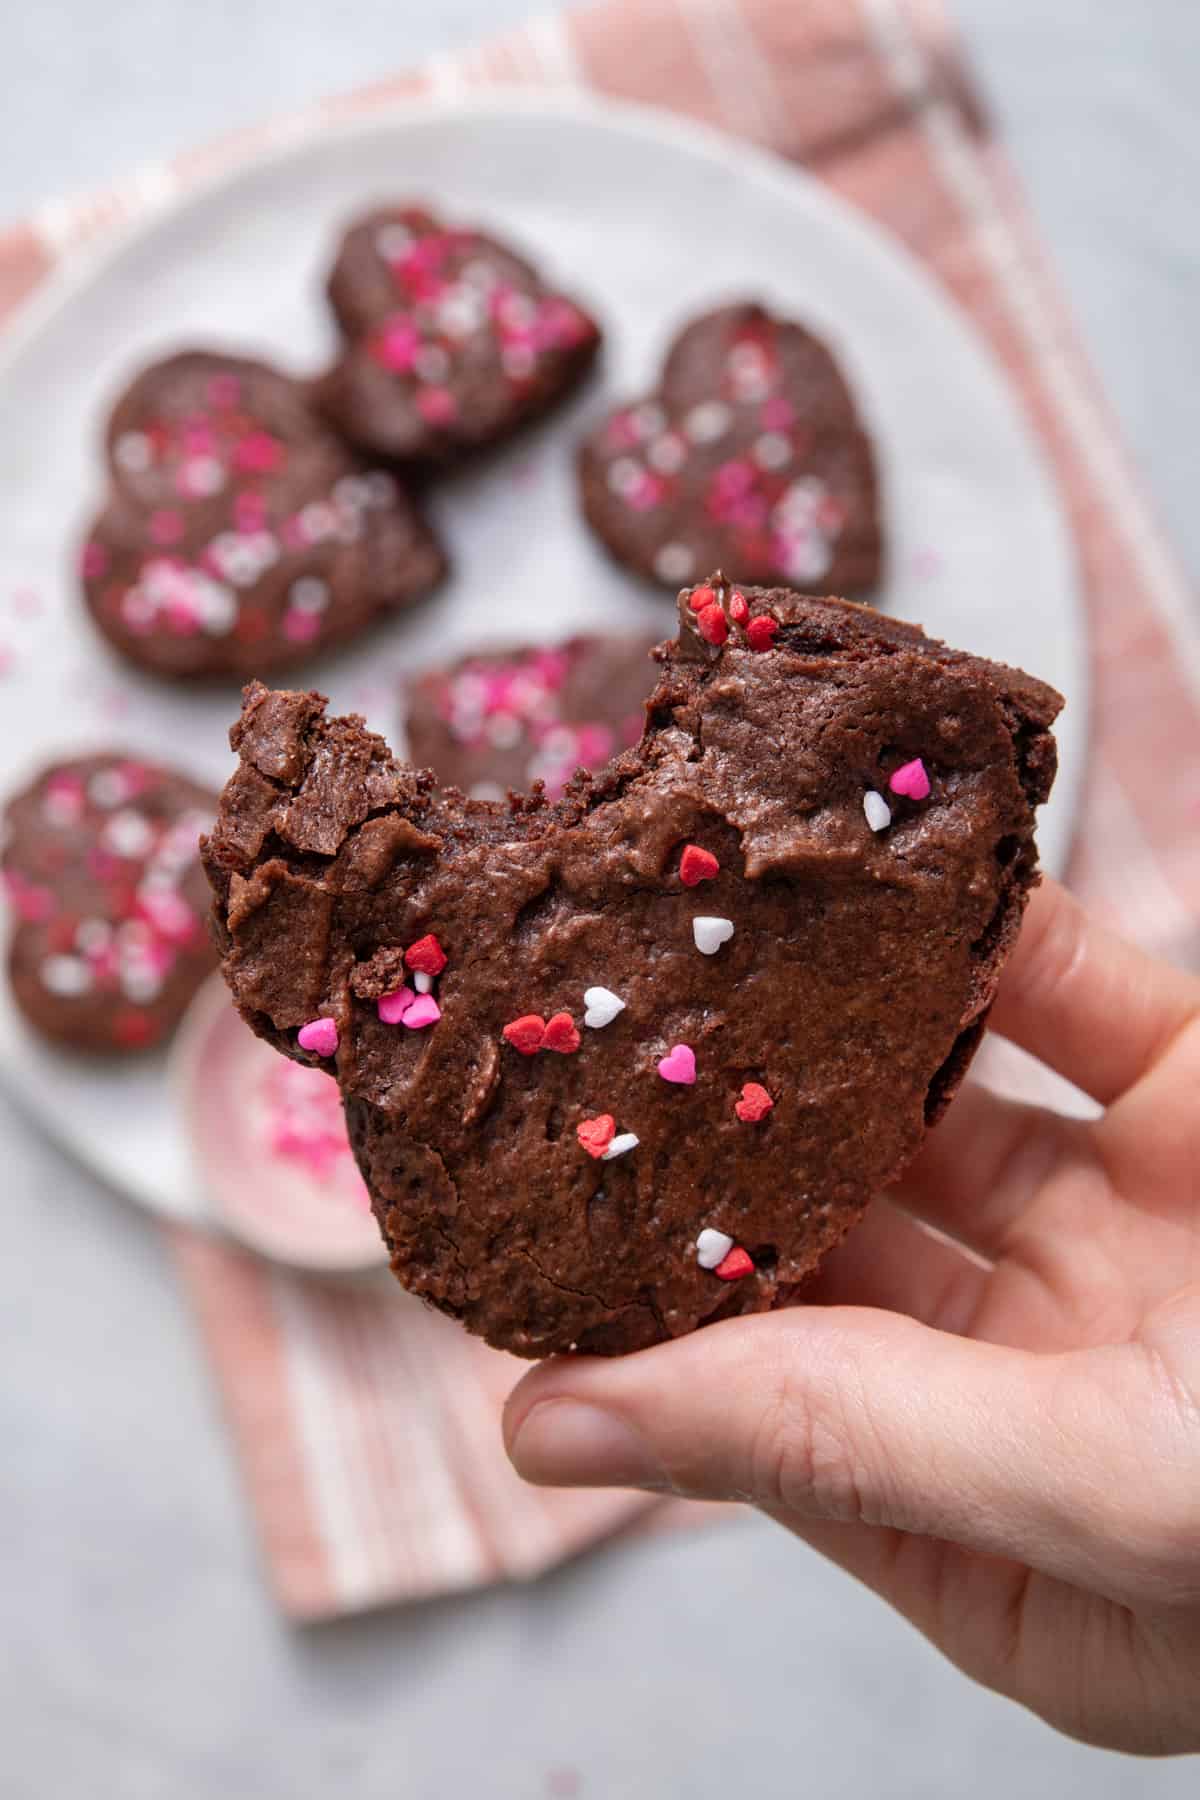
(139, 1655)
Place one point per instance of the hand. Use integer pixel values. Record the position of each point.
(1003, 1440)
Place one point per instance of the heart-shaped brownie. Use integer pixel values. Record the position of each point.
(798, 889)
(452, 339)
(102, 869)
(239, 534)
(507, 718)
(749, 457)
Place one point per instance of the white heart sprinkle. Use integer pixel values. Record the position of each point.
(423, 982)
(620, 1145)
(879, 813)
(712, 1247)
(710, 934)
(602, 1007)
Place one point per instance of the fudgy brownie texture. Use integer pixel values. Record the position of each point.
(749, 456)
(239, 535)
(452, 340)
(102, 871)
(505, 719)
(799, 889)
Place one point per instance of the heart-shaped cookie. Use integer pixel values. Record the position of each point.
(769, 1090)
(452, 340)
(102, 870)
(507, 718)
(749, 457)
(240, 535)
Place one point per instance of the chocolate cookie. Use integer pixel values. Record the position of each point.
(750, 456)
(452, 340)
(102, 870)
(240, 535)
(621, 1066)
(507, 719)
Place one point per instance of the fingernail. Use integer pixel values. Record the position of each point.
(566, 1443)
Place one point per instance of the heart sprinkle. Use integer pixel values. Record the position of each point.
(602, 1007)
(423, 982)
(760, 632)
(620, 1146)
(712, 1247)
(911, 781)
(427, 955)
(596, 1135)
(423, 1011)
(392, 1007)
(320, 1036)
(560, 1034)
(735, 1265)
(696, 865)
(712, 625)
(739, 609)
(754, 1104)
(700, 597)
(879, 813)
(679, 1066)
(526, 1034)
(711, 933)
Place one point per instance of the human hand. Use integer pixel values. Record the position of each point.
(1002, 1440)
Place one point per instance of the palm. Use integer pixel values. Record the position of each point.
(1077, 1235)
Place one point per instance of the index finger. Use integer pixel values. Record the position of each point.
(1086, 1002)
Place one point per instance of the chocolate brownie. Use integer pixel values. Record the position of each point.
(505, 719)
(749, 456)
(102, 870)
(620, 1066)
(452, 340)
(239, 535)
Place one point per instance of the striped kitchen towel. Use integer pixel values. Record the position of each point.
(367, 1425)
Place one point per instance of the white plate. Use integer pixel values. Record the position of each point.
(650, 219)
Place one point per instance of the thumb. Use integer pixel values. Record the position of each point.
(855, 1416)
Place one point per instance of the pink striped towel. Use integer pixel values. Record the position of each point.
(367, 1426)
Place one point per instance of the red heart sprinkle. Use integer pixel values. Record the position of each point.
(754, 1104)
(134, 1029)
(596, 1134)
(701, 597)
(697, 864)
(526, 1034)
(712, 625)
(760, 632)
(735, 1265)
(739, 610)
(426, 955)
(561, 1034)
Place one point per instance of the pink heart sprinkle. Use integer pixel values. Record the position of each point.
(320, 1036)
(423, 1011)
(392, 1007)
(679, 1066)
(911, 781)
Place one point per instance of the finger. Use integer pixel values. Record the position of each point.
(981, 1167)
(893, 1261)
(863, 1418)
(1086, 1002)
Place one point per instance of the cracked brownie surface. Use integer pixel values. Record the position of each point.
(619, 1066)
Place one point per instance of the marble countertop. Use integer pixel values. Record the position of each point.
(140, 1654)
